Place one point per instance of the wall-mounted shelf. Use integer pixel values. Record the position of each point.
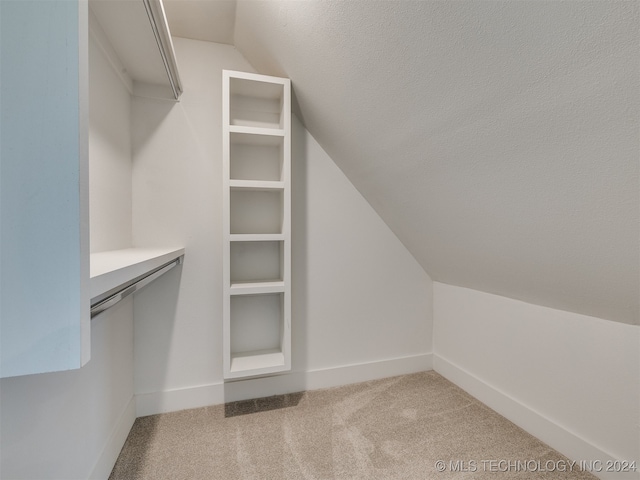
(256, 237)
(256, 288)
(265, 361)
(255, 185)
(255, 135)
(135, 37)
(116, 270)
(257, 224)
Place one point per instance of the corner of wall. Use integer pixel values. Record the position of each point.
(119, 433)
(571, 380)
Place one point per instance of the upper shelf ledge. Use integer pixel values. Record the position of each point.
(135, 37)
(113, 269)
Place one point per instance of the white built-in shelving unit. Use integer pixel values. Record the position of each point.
(257, 224)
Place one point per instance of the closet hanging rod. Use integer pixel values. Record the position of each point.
(123, 293)
(160, 28)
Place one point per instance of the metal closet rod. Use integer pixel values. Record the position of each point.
(120, 295)
(158, 20)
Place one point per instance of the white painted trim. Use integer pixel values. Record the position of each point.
(217, 393)
(83, 177)
(553, 434)
(109, 455)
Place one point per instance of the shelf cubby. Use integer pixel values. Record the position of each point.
(260, 314)
(256, 103)
(256, 157)
(264, 351)
(256, 211)
(256, 262)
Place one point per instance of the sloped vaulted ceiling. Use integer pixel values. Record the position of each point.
(499, 140)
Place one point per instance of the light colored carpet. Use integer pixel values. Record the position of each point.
(395, 428)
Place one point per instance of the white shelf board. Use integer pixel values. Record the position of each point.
(254, 77)
(256, 185)
(256, 131)
(256, 86)
(264, 361)
(261, 137)
(255, 288)
(117, 267)
(256, 237)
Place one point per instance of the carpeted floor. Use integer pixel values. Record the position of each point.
(395, 428)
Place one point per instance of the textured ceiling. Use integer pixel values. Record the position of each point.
(499, 140)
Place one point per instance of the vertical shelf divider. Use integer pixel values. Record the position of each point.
(256, 224)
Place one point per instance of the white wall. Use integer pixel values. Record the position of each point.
(571, 380)
(361, 303)
(71, 425)
(64, 425)
(110, 156)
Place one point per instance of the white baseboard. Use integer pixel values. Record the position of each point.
(557, 437)
(109, 455)
(214, 394)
